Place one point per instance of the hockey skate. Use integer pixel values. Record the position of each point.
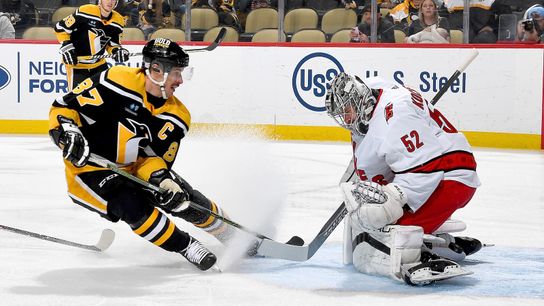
(431, 268)
(198, 255)
(450, 247)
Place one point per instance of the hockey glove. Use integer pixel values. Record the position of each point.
(176, 199)
(75, 147)
(68, 52)
(373, 206)
(120, 55)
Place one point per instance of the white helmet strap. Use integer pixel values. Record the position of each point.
(161, 83)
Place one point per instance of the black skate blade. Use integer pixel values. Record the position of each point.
(296, 240)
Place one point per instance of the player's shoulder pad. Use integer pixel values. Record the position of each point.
(117, 18)
(175, 107)
(90, 9)
(128, 79)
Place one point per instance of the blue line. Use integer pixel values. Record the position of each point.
(18, 77)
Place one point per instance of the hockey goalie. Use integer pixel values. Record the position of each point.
(411, 170)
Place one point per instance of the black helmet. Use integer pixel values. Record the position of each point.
(165, 52)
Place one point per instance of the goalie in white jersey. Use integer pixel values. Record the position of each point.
(414, 170)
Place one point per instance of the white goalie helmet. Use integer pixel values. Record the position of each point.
(350, 103)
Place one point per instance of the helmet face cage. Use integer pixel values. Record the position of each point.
(350, 103)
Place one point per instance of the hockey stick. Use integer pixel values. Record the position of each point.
(301, 253)
(106, 239)
(211, 47)
(473, 54)
(112, 166)
(270, 248)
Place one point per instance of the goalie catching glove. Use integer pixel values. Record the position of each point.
(69, 138)
(176, 199)
(373, 206)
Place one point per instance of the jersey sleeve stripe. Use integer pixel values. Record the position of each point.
(176, 120)
(89, 16)
(115, 24)
(455, 160)
(119, 89)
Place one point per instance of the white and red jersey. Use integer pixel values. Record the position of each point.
(411, 144)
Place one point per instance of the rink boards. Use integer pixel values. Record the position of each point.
(279, 89)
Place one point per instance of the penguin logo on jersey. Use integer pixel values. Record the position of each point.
(5, 77)
(311, 79)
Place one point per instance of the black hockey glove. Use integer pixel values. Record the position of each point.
(176, 199)
(120, 55)
(68, 52)
(69, 138)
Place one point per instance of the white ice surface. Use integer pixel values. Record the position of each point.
(292, 185)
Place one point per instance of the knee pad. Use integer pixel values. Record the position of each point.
(384, 251)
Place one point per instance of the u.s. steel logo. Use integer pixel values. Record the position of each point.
(5, 77)
(312, 77)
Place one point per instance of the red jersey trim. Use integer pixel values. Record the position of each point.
(455, 160)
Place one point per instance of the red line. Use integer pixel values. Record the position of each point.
(330, 45)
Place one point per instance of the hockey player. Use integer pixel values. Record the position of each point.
(91, 30)
(130, 116)
(414, 171)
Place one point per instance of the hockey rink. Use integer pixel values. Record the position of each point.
(277, 188)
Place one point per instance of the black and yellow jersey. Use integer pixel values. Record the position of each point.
(90, 33)
(123, 123)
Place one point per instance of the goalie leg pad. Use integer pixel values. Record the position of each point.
(383, 252)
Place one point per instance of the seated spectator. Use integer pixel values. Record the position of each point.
(429, 27)
(227, 13)
(26, 13)
(356, 36)
(403, 14)
(6, 27)
(386, 30)
(154, 15)
(531, 28)
(483, 18)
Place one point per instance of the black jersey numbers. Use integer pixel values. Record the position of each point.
(86, 96)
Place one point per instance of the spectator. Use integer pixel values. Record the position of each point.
(26, 11)
(530, 29)
(6, 27)
(154, 15)
(386, 33)
(403, 14)
(356, 36)
(227, 13)
(429, 27)
(483, 21)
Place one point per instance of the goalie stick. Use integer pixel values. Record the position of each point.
(106, 239)
(211, 47)
(301, 253)
(295, 240)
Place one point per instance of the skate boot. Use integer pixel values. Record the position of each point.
(468, 245)
(198, 255)
(431, 268)
(450, 247)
